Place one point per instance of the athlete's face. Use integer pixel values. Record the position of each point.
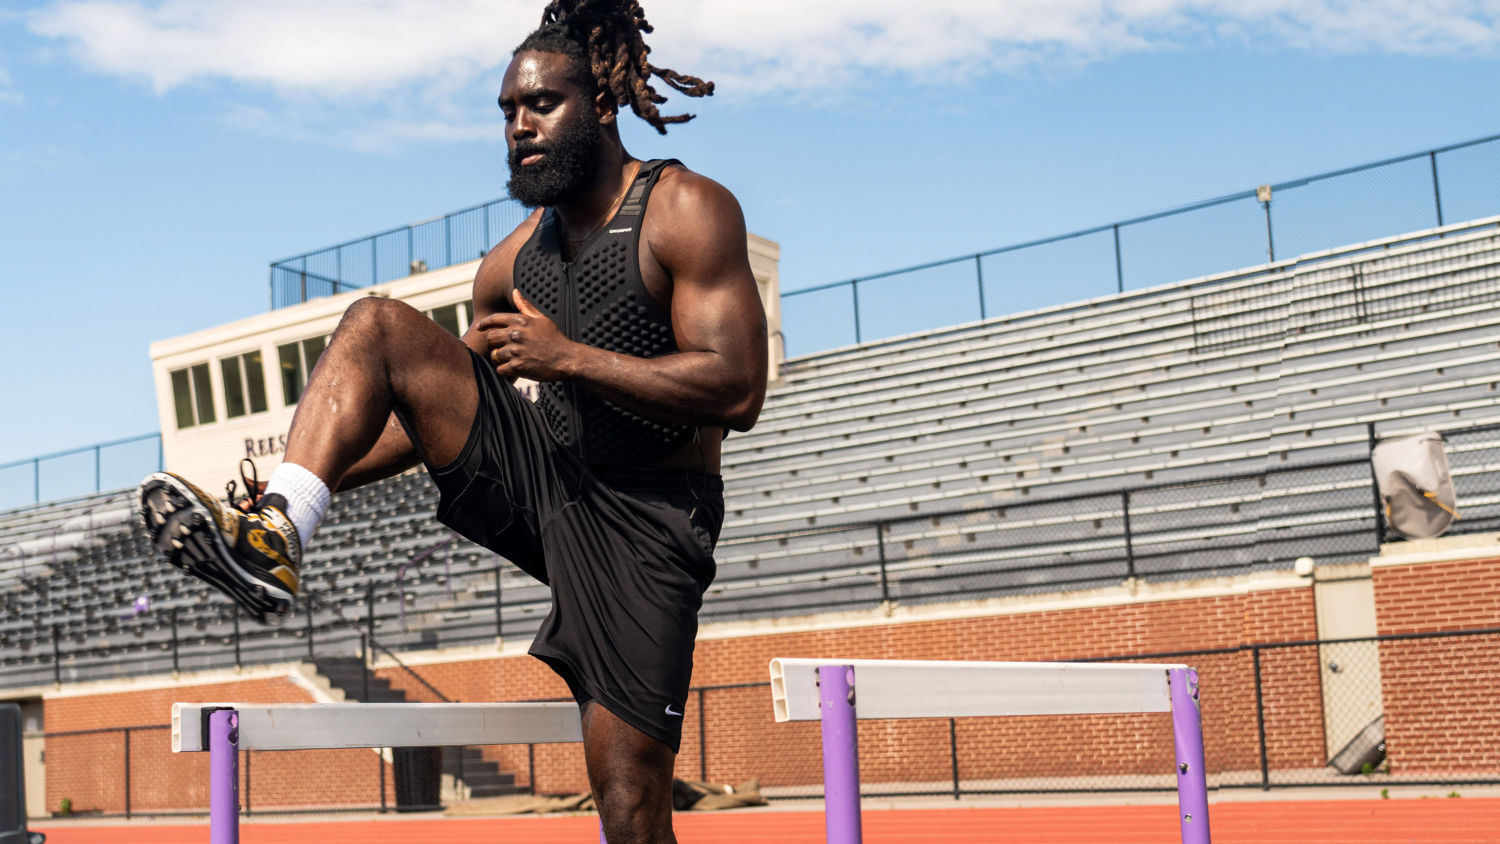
(553, 130)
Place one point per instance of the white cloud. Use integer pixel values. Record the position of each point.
(10, 95)
(396, 58)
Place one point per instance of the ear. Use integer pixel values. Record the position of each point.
(605, 107)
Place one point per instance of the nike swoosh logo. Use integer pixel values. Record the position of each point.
(670, 712)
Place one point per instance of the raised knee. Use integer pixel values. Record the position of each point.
(376, 313)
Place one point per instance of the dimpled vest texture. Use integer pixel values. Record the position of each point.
(600, 300)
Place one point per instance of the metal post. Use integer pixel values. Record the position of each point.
(1270, 241)
(370, 626)
(1187, 734)
(303, 288)
(224, 777)
(485, 246)
(364, 663)
(173, 616)
(1437, 196)
(127, 773)
(702, 739)
(1129, 541)
(36, 482)
(840, 754)
(499, 608)
(448, 240)
(56, 655)
(411, 252)
(380, 773)
(235, 614)
(96, 468)
(1260, 721)
(953, 753)
(373, 259)
(885, 586)
(1119, 264)
(309, 610)
(1375, 489)
(979, 273)
(531, 768)
(854, 286)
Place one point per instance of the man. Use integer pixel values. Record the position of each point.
(628, 295)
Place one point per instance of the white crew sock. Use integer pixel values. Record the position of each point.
(306, 498)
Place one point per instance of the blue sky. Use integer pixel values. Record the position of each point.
(156, 155)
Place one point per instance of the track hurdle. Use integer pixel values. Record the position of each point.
(224, 729)
(826, 690)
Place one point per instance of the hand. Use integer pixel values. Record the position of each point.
(527, 344)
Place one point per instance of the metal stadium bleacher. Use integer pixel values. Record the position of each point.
(1203, 428)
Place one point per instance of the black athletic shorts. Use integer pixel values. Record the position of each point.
(628, 554)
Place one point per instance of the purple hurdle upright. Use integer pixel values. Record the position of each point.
(840, 754)
(1187, 735)
(825, 690)
(224, 777)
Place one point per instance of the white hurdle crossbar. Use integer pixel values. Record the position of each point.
(826, 690)
(224, 729)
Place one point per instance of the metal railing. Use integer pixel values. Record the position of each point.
(1250, 228)
(1321, 719)
(79, 471)
(396, 253)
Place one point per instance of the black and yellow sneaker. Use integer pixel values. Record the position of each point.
(253, 556)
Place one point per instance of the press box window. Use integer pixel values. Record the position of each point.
(453, 318)
(193, 396)
(244, 385)
(297, 362)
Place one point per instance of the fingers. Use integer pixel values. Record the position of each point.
(523, 304)
(499, 320)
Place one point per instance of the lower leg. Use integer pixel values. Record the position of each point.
(631, 777)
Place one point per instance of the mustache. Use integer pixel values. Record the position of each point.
(523, 150)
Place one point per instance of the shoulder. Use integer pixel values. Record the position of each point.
(680, 190)
(689, 212)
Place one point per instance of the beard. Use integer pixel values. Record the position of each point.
(567, 169)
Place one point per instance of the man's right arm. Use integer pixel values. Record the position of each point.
(394, 453)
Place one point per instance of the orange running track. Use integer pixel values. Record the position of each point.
(1431, 821)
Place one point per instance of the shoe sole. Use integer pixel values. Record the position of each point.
(183, 531)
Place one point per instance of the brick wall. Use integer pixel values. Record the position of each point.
(1441, 696)
(744, 742)
(89, 769)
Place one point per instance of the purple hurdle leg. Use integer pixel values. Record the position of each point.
(840, 754)
(1187, 733)
(224, 777)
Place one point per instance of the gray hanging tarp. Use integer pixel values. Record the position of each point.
(1415, 485)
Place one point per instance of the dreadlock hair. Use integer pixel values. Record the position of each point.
(604, 36)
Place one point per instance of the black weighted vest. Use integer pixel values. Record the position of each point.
(600, 300)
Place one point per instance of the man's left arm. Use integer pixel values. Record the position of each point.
(718, 376)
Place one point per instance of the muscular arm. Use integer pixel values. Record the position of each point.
(394, 453)
(718, 376)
